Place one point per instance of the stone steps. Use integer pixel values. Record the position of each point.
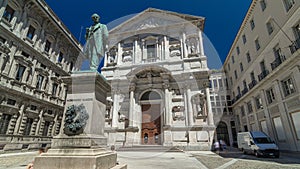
(149, 148)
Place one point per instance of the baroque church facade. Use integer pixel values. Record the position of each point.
(158, 72)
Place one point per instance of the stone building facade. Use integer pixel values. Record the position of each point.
(159, 76)
(36, 50)
(263, 71)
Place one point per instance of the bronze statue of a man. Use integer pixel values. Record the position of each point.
(96, 41)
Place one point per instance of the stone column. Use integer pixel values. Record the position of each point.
(167, 52)
(105, 59)
(185, 52)
(54, 124)
(131, 106)
(168, 115)
(209, 108)
(19, 120)
(189, 106)
(201, 43)
(12, 124)
(14, 69)
(135, 48)
(115, 114)
(38, 126)
(120, 51)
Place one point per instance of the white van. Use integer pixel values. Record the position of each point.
(258, 143)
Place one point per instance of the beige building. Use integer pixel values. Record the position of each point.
(36, 50)
(263, 71)
(159, 76)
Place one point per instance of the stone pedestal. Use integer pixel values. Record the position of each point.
(81, 142)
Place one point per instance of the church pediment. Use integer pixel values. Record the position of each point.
(151, 18)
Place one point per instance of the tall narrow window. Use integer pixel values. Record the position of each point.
(252, 24)
(232, 59)
(28, 126)
(4, 122)
(47, 46)
(39, 83)
(20, 72)
(238, 50)
(249, 105)
(30, 32)
(244, 38)
(270, 27)
(258, 103)
(241, 67)
(296, 117)
(263, 5)
(235, 74)
(54, 88)
(228, 66)
(8, 13)
(151, 53)
(60, 57)
(288, 4)
(248, 57)
(257, 45)
(46, 128)
(270, 95)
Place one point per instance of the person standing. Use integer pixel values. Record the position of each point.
(96, 41)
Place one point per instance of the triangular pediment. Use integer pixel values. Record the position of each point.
(153, 18)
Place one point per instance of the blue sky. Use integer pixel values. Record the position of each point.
(223, 18)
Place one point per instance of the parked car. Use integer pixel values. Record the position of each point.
(257, 143)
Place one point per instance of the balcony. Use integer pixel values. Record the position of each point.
(245, 91)
(277, 62)
(295, 46)
(238, 97)
(252, 84)
(263, 74)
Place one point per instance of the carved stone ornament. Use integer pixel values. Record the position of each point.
(76, 119)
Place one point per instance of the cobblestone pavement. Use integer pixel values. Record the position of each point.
(169, 160)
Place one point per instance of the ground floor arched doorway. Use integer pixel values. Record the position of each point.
(222, 132)
(151, 118)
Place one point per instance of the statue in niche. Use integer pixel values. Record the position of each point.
(202, 106)
(112, 54)
(96, 41)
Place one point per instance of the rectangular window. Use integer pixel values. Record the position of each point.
(47, 46)
(151, 53)
(11, 102)
(25, 54)
(252, 76)
(242, 111)
(30, 32)
(249, 106)
(244, 38)
(33, 107)
(46, 128)
(257, 45)
(296, 122)
(248, 57)
(232, 59)
(220, 83)
(4, 122)
(231, 81)
(60, 57)
(244, 84)
(20, 72)
(288, 4)
(54, 88)
(270, 95)
(270, 27)
(43, 66)
(241, 67)
(238, 50)
(235, 74)
(8, 13)
(279, 129)
(39, 83)
(288, 87)
(263, 5)
(215, 83)
(228, 66)
(28, 126)
(252, 24)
